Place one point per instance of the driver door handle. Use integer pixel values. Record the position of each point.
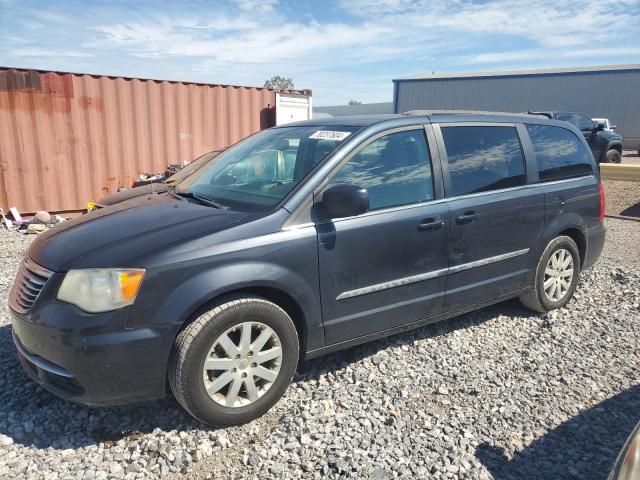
(431, 224)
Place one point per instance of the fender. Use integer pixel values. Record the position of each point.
(559, 224)
(612, 145)
(204, 287)
(550, 231)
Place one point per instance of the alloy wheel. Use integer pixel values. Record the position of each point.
(242, 364)
(558, 275)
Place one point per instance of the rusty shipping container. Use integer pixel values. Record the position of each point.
(68, 138)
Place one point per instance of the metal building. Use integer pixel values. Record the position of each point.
(67, 138)
(611, 91)
(360, 109)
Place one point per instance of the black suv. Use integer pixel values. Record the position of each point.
(605, 145)
(301, 240)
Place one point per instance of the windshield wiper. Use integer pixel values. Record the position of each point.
(200, 198)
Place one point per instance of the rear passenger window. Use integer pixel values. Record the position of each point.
(483, 158)
(395, 169)
(560, 153)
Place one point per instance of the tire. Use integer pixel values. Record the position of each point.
(613, 156)
(537, 298)
(203, 339)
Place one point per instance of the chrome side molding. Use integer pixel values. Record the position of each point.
(398, 282)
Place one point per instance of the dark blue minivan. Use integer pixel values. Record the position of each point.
(301, 240)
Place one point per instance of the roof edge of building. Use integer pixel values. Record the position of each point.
(523, 73)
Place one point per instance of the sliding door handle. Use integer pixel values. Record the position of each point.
(431, 224)
(467, 217)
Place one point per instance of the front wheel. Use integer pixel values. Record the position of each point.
(234, 362)
(556, 276)
(614, 156)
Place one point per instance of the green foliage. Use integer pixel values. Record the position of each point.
(354, 102)
(279, 82)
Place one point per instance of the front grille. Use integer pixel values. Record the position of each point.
(30, 280)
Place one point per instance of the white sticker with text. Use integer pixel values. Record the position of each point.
(330, 135)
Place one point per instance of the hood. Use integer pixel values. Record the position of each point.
(124, 234)
(123, 195)
(613, 136)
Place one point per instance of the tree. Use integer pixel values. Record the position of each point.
(279, 82)
(354, 102)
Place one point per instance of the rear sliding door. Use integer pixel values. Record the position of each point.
(496, 214)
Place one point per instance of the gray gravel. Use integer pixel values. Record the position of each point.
(499, 393)
(622, 198)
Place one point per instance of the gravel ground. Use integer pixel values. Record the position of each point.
(622, 198)
(498, 393)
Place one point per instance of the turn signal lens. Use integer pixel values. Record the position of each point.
(130, 283)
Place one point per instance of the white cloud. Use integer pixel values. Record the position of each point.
(46, 52)
(259, 6)
(558, 23)
(541, 54)
(253, 43)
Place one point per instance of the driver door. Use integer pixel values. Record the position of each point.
(386, 267)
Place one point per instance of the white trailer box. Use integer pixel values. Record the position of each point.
(292, 107)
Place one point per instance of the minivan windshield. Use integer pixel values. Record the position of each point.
(256, 174)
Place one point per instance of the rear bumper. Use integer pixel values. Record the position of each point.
(595, 243)
(96, 367)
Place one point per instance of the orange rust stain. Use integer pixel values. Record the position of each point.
(91, 102)
(33, 101)
(58, 85)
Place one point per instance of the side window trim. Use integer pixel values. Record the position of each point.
(446, 177)
(437, 157)
(529, 154)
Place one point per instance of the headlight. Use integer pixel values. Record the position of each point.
(102, 289)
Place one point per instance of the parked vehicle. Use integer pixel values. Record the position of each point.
(302, 240)
(605, 145)
(159, 187)
(627, 466)
(607, 124)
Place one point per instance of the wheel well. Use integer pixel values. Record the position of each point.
(280, 298)
(617, 147)
(577, 236)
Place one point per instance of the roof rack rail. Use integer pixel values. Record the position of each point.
(465, 112)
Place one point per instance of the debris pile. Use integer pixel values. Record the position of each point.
(37, 223)
(147, 178)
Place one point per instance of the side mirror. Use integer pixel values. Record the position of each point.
(613, 127)
(343, 201)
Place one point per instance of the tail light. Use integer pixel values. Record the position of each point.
(601, 189)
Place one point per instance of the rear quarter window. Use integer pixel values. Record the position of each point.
(560, 154)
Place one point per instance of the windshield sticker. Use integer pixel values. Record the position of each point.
(330, 135)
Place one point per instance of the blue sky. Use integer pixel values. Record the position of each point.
(340, 49)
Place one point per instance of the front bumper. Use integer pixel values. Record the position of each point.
(97, 365)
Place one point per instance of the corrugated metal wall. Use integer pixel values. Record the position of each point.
(613, 94)
(360, 109)
(69, 138)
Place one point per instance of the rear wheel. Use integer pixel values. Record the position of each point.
(614, 156)
(556, 276)
(235, 361)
